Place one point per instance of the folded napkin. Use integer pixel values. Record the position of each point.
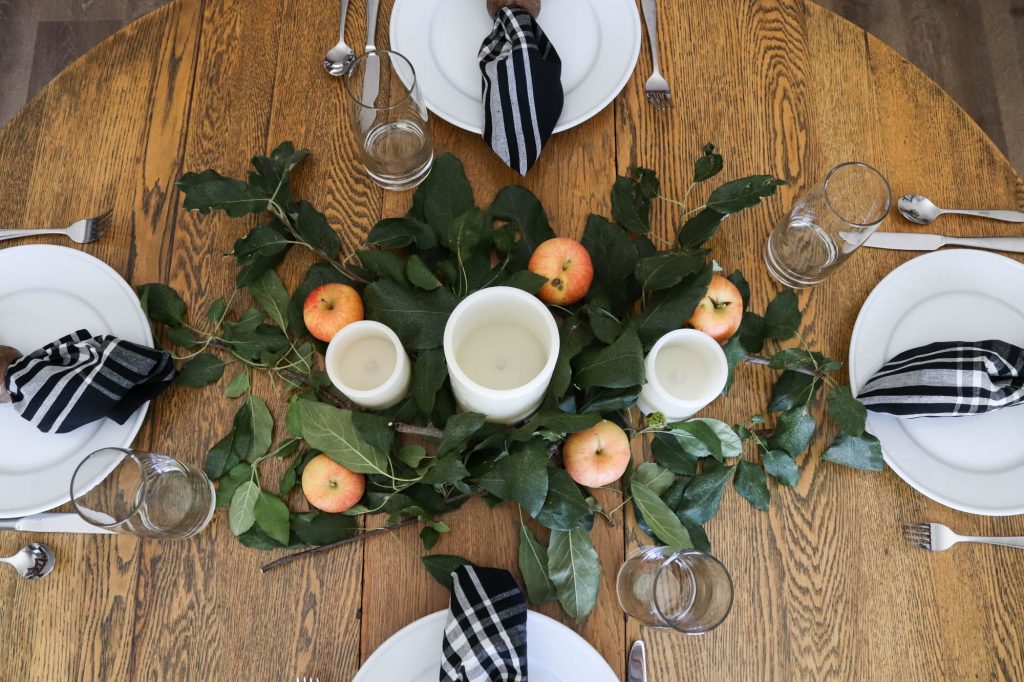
(485, 638)
(522, 84)
(81, 378)
(948, 379)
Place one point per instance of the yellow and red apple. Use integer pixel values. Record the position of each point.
(720, 312)
(598, 456)
(330, 487)
(330, 307)
(567, 266)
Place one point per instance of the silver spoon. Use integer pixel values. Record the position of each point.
(339, 58)
(33, 561)
(921, 210)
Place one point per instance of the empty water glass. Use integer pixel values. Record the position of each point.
(390, 119)
(149, 495)
(828, 222)
(689, 591)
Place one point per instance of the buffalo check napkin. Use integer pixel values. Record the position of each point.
(948, 379)
(485, 638)
(81, 378)
(522, 88)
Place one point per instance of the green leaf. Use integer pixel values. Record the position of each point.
(411, 455)
(467, 234)
(700, 439)
(798, 358)
(441, 566)
(533, 564)
(614, 258)
(162, 303)
(702, 497)
(781, 467)
(419, 275)
(259, 251)
(847, 411)
(793, 431)
(793, 389)
(332, 431)
(429, 537)
(238, 386)
(752, 484)
(445, 194)
(555, 421)
(610, 399)
(229, 482)
(657, 478)
(524, 212)
(631, 207)
(398, 233)
(670, 453)
(606, 326)
(317, 275)
(741, 284)
(619, 365)
(209, 191)
(272, 516)
(782, 317)
(312, 227)
(709, 165)
(270, 293)
(181, 336)
(575, 570)
(446, 470)
(736, 195)
(529, 282)
(564, 505)
(320, 528)
(242, 514)
(428, 376)
(729, 443)
(274, 172)
(669, 309)
(202, 370)
(418, 317)
(668, 269)
(574, 335)
(696, 231)
(458, 430)
(288, 480)
(857, 452)
(665, 524)
(521, 476)
(384, 264)
(266, 344)
(735, 353)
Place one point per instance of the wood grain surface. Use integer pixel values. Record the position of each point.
(825, 586)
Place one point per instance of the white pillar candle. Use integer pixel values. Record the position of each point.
(501, 345)
(686, 370)
(366, 362)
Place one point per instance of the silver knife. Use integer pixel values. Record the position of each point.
(636, 670)
(371, 75)
(52, 523)
(913, 241)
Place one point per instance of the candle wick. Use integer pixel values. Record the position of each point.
(500, 364)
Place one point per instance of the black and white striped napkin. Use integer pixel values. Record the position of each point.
(522, 88)
(81, 378)
(948, 379)
(485, 638)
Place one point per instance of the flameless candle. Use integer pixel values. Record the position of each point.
(686, 370)
(366, 362)
(501, 345)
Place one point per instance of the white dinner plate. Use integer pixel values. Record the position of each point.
(597, 40)
(976, 463)
(47, 292)
(554, 653)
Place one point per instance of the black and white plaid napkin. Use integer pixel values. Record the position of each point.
(522, 88)
(948, 379)
(485, 638)
(81, 378)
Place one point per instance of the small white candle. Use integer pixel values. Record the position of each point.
(501, 345)
(686, 370)
(367, 363)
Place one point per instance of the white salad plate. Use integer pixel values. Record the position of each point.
(554, 653)
(47, 292)
(975, 463)
(598, 42)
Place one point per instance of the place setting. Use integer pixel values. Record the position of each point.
(468, 356)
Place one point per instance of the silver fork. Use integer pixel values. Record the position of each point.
(83, 232)
(656, 89)
(307, 679)
(939, 538)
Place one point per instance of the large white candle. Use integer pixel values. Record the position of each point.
(501, 345)
(366, 362)
(686, 370)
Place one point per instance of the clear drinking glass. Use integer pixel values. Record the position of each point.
(828, 223)
(390, 119)
(144, 494)
(689, 591)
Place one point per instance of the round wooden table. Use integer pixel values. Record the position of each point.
(825, 585)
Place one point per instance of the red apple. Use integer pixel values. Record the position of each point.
(330, 307)
(331, 487)
(720, 312)
(598, 456)
(567, 266)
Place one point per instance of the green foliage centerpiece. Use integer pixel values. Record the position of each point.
(411, 273)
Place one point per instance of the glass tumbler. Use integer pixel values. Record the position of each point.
(828, 222)
(149, 495)
(390, 119)
(689, 591)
